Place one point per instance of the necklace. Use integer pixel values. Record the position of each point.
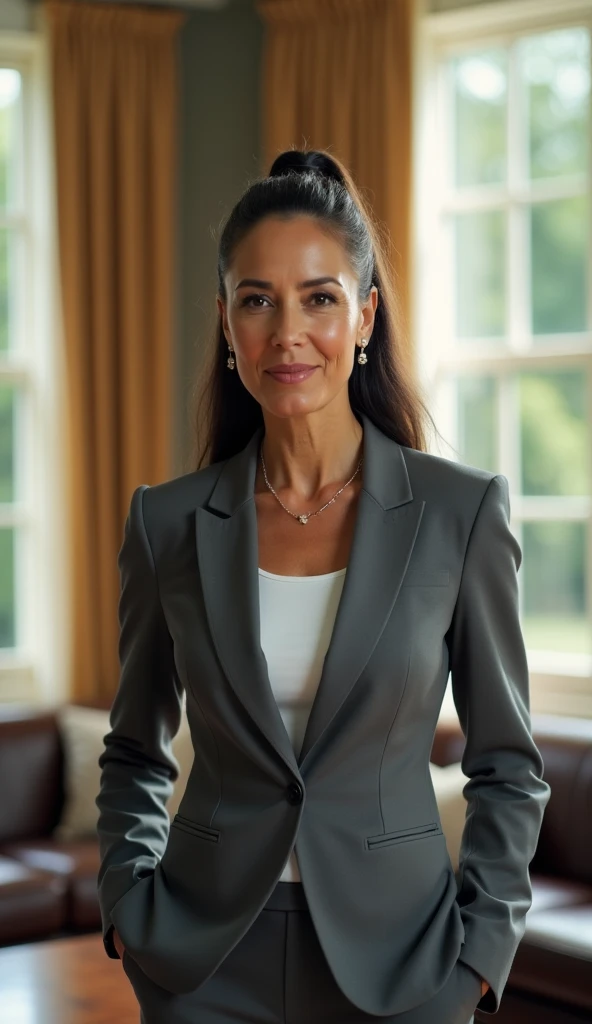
(308, 515)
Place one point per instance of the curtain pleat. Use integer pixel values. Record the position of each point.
(115, 98)
(337, 75)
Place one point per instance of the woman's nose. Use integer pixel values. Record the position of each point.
(287, 326)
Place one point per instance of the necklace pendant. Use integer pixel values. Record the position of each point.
(303, 520)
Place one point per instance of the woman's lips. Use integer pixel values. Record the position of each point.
(291, 377)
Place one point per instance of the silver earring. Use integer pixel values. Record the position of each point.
(363, 358)
(230, 361)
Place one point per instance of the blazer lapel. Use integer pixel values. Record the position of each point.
(228, 553)
(386, 528)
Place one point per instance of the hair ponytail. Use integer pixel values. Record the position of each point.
(296, 161)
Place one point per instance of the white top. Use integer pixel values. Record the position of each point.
(297, 617)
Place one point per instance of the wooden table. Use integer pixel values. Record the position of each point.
(64, 981)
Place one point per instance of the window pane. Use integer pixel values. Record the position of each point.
(554, 592)
(10, 136)
(7, 616)
(480, 274)
(555, 439)
(559, 245)
(477, 430)
(8, 404)
(480, 118)
(556, 78)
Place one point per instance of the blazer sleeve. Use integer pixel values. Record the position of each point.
(506, 794)
(138, 768)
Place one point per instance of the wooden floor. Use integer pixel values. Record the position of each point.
(64, 981)
(73, 981)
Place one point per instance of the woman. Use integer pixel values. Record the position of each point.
(309, 589)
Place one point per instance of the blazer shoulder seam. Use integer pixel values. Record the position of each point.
(149, 545)
(471, 531)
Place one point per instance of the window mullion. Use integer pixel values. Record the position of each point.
(518, 247)
(523, 352)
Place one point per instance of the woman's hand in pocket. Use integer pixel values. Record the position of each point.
(118, 944)
(485, 986)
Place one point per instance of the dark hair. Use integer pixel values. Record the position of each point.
(314, 184)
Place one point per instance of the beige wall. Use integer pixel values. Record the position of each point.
(219, 126)
(17, 15)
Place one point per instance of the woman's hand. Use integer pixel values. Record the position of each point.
(484, 987)
(118, 944)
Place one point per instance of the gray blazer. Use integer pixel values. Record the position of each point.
(431, 588)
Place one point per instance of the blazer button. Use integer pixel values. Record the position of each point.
(294, 793)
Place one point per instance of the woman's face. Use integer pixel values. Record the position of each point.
(292, 298)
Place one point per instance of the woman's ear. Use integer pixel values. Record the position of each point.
(222, 310)
(368, 312)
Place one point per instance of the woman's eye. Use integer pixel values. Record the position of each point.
(253, 300)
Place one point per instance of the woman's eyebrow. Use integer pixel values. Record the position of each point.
(252, 282)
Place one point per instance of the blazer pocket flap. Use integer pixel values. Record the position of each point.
(195, 829)
(402, 835)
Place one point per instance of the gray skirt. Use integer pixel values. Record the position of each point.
(278, 974)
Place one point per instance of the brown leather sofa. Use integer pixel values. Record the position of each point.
(48, 887)
(551, 977)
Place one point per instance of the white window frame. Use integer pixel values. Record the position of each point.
(36, 670)
(559, 683)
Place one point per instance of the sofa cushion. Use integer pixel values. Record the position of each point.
(567, 930)
(82, 731)
(76, 862)
(565, 842)
(448, 783)
(564, 848)
(31, 773)
(550, 893)
(554, 958)
(85, 912)
(33, 903)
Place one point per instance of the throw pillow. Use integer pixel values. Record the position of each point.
(82, 730)
(448, 782)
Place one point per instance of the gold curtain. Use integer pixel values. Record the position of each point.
(337, 75)
(114, 83)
